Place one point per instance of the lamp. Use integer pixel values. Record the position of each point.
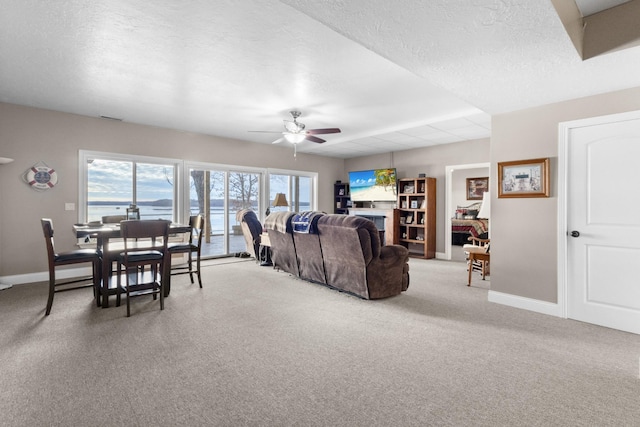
(295, 138)
(280, 200)
(4, 161)
(485, 209)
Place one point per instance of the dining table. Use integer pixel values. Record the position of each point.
(103, 233)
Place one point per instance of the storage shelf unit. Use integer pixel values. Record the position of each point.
(417, 216)
(342, 199)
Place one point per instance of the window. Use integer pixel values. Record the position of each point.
(112, 183)
(298, 187)
(174, 189)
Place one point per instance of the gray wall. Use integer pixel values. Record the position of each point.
(30, 135)
(429, 160)
(524, 231)
(459, 186)
(524, 258)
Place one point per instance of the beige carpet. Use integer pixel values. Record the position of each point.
(256, 347)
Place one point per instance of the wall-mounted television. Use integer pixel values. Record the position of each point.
(375, 185)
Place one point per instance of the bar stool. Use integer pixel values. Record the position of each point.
(140, 252)
(194, 245)
(78, 256)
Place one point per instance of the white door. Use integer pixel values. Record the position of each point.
(603, 208)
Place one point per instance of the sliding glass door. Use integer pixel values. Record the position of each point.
(218, 195)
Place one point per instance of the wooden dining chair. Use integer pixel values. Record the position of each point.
(145, 245)
(78, 256)
(193, 246)
(115, 245)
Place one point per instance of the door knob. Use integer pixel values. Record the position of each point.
(575, 233)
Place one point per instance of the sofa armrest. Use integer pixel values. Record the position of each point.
(388, 274)
(391, 254)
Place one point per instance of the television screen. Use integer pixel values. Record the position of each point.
(375, 185)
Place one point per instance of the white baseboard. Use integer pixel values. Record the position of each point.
(43, 276)
(440, 255)
(530, 304)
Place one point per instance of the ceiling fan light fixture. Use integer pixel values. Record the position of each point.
(295, 138)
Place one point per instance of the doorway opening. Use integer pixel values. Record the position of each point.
(450, 200)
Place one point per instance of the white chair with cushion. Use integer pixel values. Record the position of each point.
(478, 256)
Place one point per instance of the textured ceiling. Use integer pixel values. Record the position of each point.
(392, 75)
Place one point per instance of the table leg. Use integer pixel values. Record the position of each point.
(166, 275)
(106, 271)
(265, 256)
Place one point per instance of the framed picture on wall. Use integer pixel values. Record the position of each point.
(523, 178)
(476, 187)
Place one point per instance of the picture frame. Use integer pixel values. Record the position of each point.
(476, 187)
(409, 219)
(414, 204)
(523, 178)
(404, 204)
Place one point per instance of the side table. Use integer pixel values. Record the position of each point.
(265, 250)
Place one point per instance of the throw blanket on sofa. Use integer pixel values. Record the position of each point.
(277, 221)
(305, 222)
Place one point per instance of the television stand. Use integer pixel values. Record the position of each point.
(385, 221)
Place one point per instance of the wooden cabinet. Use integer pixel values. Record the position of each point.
(417, 216)
(342, 200)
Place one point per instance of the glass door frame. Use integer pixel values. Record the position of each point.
(227, 169)
(313, 196)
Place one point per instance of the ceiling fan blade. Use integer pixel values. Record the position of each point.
(320, 131)
(314, 139)
(277, 141)
(265, 131)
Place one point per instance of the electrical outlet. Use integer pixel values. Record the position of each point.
(69, 206)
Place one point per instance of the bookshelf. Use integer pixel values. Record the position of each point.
(342, 200)
(417, 216)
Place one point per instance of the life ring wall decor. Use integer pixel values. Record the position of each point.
(41, 177)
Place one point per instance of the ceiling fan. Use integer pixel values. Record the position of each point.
(295, 131)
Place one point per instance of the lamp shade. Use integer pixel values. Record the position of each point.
(280, 200)
(485, 209)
